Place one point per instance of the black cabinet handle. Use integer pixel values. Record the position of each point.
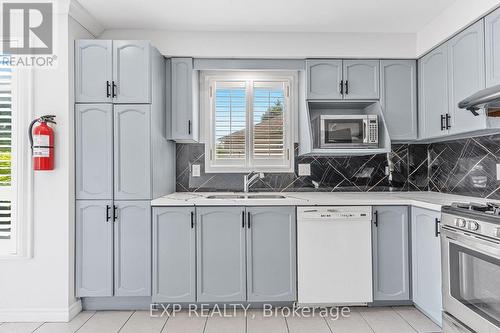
(189, 126)
(192, 220)
(243, 219)
(376, 219)
(248, 220)
(115, 213)
(113, 90)
(442, 122)
(341, 87)
(108, 86)
(448, 118)
(346, 87)
(436, 230)
(108, 211)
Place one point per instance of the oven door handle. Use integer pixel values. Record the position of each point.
(488, 247)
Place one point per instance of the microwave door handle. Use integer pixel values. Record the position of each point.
(365, 140)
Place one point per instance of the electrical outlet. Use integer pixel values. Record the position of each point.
(195, 172)
(304, 169)
(498, 171)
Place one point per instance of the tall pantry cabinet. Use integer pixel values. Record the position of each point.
(123, 161)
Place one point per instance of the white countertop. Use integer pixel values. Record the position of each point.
(429, 200)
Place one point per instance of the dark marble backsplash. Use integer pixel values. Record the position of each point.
(466, 167)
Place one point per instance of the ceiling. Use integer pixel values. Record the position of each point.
(391, 16)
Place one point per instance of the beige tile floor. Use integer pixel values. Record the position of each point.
(361, 320)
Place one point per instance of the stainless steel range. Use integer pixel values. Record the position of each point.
(470, 243)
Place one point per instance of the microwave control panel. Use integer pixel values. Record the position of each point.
(373, 131)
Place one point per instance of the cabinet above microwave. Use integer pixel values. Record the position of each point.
(343, 128)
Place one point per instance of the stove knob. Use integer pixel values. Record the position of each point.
(461, 223)
(473, 225)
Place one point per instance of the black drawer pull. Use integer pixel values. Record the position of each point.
(108, 86)
(436, 230)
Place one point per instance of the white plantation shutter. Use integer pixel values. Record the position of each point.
(230, 121)
(250, 124)
(7, 228)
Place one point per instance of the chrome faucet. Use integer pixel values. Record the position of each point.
(249, 179)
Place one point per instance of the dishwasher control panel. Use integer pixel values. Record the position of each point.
(334, 212)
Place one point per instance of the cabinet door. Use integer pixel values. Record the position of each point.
(361, 79)
(93, 71)
(433, 93)
(184, 123)
(466, 76)
(174, 256)
(399, 98)
(132, 71)
(492, 48)
(323, 79)
(132, 152)
(220, 254)
(94, 248)
(426, 262)
(94, 151)
(271, 240)
(391, 268)
(132, 235)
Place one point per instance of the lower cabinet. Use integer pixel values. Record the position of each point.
(271, 254)
(426, 262)
(221, 271)
(224, 254)
(391, 259)
(174, 255)
(113, 248)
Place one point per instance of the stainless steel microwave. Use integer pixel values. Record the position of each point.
(345, 131)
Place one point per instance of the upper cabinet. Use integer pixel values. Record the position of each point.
(398, 96)
(433, 93)
(361, 79)
(131, 71)
(112, 71)
(466, 73)
(324, 79)
(492, 47)
(185, 101)
(342, 79)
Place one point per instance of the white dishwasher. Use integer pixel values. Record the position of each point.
(334, 250)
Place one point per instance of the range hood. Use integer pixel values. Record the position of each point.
(486, 98)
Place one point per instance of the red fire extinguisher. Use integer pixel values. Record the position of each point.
(42, 143)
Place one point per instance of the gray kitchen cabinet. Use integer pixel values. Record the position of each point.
(271, 261)
(492, 48)
(324, 78)
(433, 93)
(132, 152)
(426, 262)
(391, 259)
(132, 71)
(94, 248)
(466, 76)
(132, 248)
(93, 71)
(361, 79)
(220, 249)
(174, 254)
(94, 151)
(184, 96)
(398, 96)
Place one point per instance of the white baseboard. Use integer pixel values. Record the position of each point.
(41, 314)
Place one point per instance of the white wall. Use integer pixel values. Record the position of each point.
(456, 17)
(273, 44)
(41, 288)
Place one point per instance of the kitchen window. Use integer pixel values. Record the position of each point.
(15, 177)
(249, 122)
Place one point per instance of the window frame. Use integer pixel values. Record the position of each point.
(20, 246)
(207, 82)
